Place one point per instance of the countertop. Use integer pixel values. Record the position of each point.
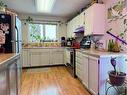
(5, 58)
(97, 53)
(91, 52)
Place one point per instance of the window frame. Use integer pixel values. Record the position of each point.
(44, 30)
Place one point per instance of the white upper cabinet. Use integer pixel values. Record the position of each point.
(75, 23)
(95, 19)
(82, 19)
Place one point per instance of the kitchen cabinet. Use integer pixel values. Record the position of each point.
(79, 65)
(25, 58)
(57, 56)
(85, 70)
(82, 62)
(75, 23)
(43, 57)
(39, 57)
(95, 19)
(82, 19)
(93, 75)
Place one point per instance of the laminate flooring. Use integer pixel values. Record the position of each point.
(50, 81)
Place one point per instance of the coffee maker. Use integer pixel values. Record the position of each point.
(63, 42)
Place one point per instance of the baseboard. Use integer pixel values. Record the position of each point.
(43, 66)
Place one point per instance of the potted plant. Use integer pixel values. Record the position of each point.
(116, 78)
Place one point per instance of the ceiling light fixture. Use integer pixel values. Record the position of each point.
(45, 6)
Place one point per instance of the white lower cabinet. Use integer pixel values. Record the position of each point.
(39, 57)
(45, 59)
(35, 59)
(25, 58)
(42, 57)
(79, 65)
(93, 75)
(57, 56)
(85, 70)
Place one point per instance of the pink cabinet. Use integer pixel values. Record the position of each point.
(95, 19)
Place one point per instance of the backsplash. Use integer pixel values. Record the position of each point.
(42, 44)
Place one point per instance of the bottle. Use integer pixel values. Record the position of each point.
(112, 45)
(109, 45)
(116, 47)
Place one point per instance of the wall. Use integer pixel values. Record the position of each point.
(61, 22)
(117, 26)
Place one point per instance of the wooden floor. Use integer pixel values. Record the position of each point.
(50, 81)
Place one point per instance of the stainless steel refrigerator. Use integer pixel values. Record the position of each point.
(10, 25)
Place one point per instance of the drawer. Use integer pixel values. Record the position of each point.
(79, 54)
(79, 74)
(78, 60)
(79, 66)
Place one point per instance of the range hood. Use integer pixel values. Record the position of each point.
(80, 30)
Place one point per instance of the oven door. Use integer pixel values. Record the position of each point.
(70, 64)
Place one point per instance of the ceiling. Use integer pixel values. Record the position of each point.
(62, 8)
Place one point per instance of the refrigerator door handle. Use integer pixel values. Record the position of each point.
(13, 41)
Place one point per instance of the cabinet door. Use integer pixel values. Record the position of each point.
(85, 70)
(88, 21)
(79, 65)
(13, 79)
(58, 58)
(35, 58)
(93, 75)
(25, 58)
(45, 58)
(3, 83)
(82, 19)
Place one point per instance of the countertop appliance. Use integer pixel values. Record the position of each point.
(71, 61)
(63, 42)
(86, 42)
(10, 25)
(69, 42)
